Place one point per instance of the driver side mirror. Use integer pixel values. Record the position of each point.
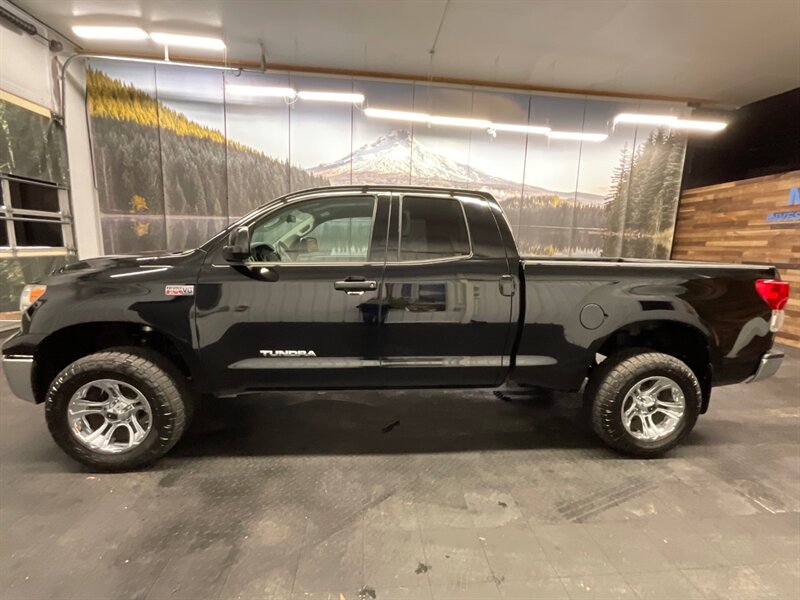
(238, 246)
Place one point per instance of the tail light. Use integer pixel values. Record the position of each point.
(776, 295)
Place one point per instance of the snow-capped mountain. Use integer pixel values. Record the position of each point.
(388, 160)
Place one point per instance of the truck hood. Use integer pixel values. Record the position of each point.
(132, 261)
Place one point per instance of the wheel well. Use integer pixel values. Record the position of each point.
(682, 341)
(71, 343)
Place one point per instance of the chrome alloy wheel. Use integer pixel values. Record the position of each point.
(653, 408)
(109, 416)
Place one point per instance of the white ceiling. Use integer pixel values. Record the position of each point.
(732, 52)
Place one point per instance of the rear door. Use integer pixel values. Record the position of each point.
(447, 294)
(301, 313)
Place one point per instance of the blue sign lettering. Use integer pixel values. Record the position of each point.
(787, 216)
(783, 217)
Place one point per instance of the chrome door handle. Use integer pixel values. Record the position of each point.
(355, 286)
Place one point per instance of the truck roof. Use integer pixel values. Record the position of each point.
(365, 188)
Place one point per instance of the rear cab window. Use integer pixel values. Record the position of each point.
(432, 228)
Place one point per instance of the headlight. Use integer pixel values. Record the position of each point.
(30, 294)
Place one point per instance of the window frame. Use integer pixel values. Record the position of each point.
(9, 216)
(315, 198)
(399, 231)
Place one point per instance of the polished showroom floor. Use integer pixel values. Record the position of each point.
(412, 495)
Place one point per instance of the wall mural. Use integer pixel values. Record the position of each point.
(180, 152)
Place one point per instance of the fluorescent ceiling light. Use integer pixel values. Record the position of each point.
(645, 119)
(520, 128)
(397, 115)
(332, 97)
(401, 115)
(699, 125)
(577, 135)
(260, 91)
(670, 121)
(460, 122)
(91, 32)
(189, 41)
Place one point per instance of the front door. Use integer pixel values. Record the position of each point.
(301, 313)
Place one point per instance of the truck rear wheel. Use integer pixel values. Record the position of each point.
(643, 403)
(116, 410)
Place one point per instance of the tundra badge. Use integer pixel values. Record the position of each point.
(291, 353)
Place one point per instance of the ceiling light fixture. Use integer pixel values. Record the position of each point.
(397, 115)
(520, 128)
(460, 122)
(332, 97)
(92, 32)
(712, 126)
(260, 91)
(188, 41)
(670, 121)
(578, 136)
(640, 119)
(401, 115)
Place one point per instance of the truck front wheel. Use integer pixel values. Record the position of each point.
(116, 410)
(643, 402)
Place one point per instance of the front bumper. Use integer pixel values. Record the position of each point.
(768, 366)
(18, 370)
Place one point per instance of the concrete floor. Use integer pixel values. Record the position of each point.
(412, 495)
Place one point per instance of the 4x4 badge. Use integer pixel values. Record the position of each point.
(179, 290)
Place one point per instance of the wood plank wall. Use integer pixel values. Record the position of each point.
(728, 223)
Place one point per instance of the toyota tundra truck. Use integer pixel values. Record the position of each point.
(377, 287)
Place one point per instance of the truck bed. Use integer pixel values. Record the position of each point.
(576, 308)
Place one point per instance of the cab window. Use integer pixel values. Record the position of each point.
(335, 229)
(432, 228)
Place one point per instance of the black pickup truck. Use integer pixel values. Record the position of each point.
(381, 287)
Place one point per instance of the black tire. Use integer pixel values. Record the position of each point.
(147, 371)
(613, 379)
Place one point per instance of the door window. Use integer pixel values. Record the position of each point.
(335, 229)
(432, 228)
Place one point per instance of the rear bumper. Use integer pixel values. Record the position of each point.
(768, 366)
(18, 370)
